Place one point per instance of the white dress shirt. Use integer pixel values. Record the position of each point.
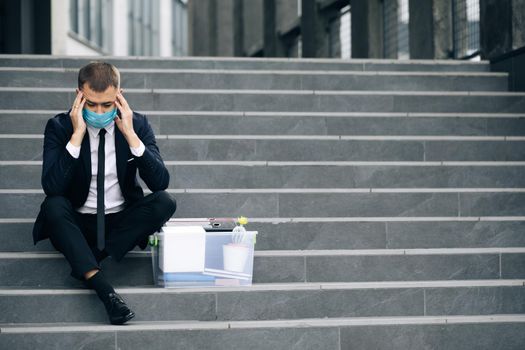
(113, 198)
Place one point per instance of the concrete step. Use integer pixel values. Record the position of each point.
(289, 123)
(50, 270)
(47, 61)
(15, 235)
(306, 148)
(281, 100)
(316, 233)
(222, 175)
(271, 302)
(266, 79)
(498, 332)
(279, 204)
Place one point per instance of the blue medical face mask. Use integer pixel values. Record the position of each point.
(98, 121)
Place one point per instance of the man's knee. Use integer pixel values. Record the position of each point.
(55, 207)
(165, 204)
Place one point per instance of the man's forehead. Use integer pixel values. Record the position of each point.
(109, 95)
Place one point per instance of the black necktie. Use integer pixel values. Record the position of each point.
(100, 190)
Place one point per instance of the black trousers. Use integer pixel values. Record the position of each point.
(75, 234)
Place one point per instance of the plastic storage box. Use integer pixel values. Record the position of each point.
(195, 256)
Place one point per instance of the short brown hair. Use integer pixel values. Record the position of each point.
(99, 76)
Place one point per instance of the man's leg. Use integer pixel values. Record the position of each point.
(65, 234)
(133, 225)
(63, 225)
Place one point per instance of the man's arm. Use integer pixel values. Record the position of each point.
(150, 164)
(58, 165)
(61, 157)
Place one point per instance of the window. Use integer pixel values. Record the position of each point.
(465, 15)
(340, 35)
(345, 33)
(90, 22)
(143, 24)
(180, 28)
(395, 29)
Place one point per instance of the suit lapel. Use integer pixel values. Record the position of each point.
(122, 153)
(85, 155)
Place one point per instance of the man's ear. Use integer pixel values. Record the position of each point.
(77, 90)
(121, 90)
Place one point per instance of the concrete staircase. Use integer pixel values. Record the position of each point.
(389, 197)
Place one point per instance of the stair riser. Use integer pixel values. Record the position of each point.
(450, 336)
(274, 125)
(491, 336)
(396, 337)
(281, 102)
(244, 64)
(305, 150)
(339, 235)
(261, 177)
(136, 271)
(255, 339)
(315, 205)
(268, 305)
(266, 81)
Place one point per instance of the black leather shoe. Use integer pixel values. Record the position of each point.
(118, 311)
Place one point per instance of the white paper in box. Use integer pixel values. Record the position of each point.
(184, 249)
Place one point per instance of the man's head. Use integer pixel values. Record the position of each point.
(100, 84)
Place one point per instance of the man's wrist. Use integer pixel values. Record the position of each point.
(76, 138)
(73, 150)
(138, 151)
(133, 140)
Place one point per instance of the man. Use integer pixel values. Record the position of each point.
(95, 206)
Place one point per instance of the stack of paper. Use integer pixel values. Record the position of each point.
(183, 249)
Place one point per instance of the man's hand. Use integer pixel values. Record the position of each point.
(125, 121)
(79, 125)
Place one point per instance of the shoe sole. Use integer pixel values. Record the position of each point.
(123, 319)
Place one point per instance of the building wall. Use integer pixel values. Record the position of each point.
(286, 14)
(25, 26)
(430, 28)
(65, 42)
(199, 28)
(287, 18)
(253, 26)
(166, 32)
(62, 43)
(518, 23)
(225, 28)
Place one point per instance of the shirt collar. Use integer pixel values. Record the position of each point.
(93, 132)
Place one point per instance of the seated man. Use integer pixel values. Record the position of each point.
(95, 206)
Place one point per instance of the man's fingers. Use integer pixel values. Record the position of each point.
(119, 106)
(124, 112)
(122, 100)
(78, 97)
(77, 107)
(118, 122)
(77, 101)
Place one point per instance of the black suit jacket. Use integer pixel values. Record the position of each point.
(63, 175)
